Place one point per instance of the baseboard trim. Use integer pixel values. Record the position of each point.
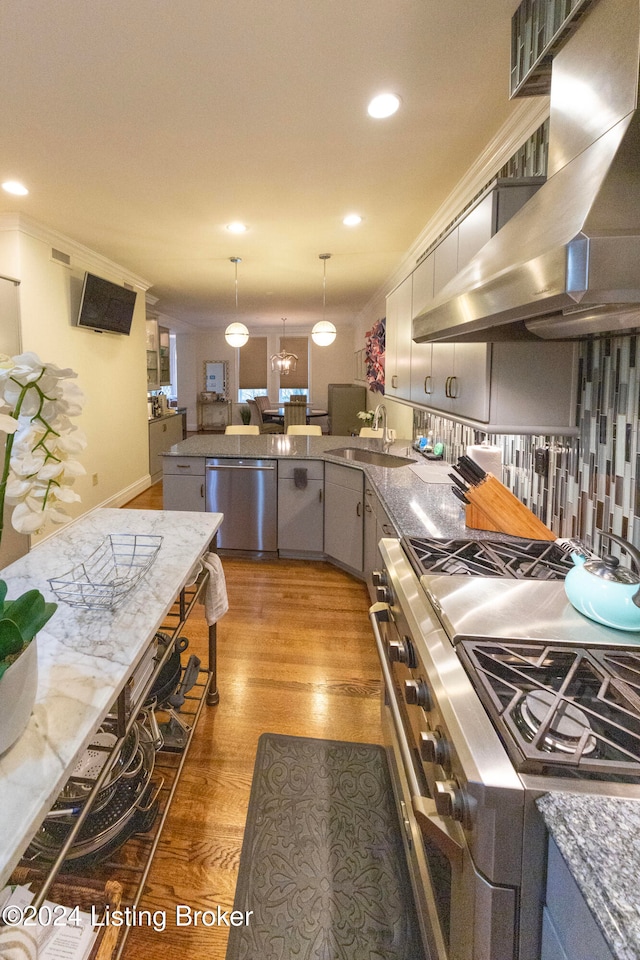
(128, 493)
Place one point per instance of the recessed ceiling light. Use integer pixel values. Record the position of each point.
(384, 105)
(12, 186)
(352, 220)
(236, 227)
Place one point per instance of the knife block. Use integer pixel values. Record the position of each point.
(475, 519)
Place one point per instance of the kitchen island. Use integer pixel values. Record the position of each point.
(85, 656)
(416, 508)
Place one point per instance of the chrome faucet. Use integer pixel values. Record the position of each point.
(386, 439)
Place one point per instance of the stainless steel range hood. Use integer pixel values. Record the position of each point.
(568, 264)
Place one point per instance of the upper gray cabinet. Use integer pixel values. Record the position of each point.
(422, 387)
(398, 341)
(445, 263)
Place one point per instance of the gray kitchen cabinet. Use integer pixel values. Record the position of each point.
(398, 341)
(300, 507)
(377, 524)
(475, 230)
(460, 379)
(420, 373)
(343, 515)
(163, 433)
(445, 265)
(183, 483)
(490, 212)
(534, 383)
(569, 930)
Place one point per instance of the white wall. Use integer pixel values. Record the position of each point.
(332, 364)
(111, 369)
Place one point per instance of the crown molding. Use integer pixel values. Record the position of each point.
(21, 223)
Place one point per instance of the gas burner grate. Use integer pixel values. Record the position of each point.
(516, 559)
(561, 710)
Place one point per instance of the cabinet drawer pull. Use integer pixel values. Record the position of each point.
(320, 495)
(394, 381)
(427, 385)
(184, 466)
(359, 509)
(202, 491)
(453, 387)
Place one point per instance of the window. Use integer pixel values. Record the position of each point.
(298, 380)
(252, 375)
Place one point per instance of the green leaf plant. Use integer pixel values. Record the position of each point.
(20, 621)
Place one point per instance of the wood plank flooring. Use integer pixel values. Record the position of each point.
(295, 656)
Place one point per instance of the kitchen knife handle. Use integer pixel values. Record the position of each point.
(460, 495)
(465, 473)
(458, 482)
(472, 467)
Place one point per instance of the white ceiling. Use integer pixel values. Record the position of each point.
(143, 127)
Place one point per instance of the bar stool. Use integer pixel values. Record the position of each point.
(245, 428)
(305, 430)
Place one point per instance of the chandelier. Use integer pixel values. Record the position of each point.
(323, 332)
(236, 333)
(283, 362)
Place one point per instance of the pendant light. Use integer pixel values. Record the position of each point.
(283, 362)
(236, 333)
(323, 332)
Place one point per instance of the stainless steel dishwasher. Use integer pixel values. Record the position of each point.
(246, 492)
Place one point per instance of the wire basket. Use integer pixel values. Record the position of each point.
(110, 573)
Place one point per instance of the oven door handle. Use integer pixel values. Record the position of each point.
(431, 824)
(433, 827)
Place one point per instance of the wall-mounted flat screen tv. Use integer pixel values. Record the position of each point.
(106, 306)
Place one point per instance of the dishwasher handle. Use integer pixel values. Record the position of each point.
(238, 466)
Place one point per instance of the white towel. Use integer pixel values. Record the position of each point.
(18, 944)
(215, 600)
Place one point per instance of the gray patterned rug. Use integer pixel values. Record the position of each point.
(322, 864)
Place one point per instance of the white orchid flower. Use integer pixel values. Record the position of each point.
(73, 444)
(37, 404)
(8, 424)
(28, 465)
(26, 520)
(66, 495)
(6, 365)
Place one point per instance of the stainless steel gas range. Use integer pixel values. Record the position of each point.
(496, 691)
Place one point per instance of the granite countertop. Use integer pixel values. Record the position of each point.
(85, 656)
(599, 839)
(164, 416)
(417, 508)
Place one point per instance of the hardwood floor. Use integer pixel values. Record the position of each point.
(296, 656)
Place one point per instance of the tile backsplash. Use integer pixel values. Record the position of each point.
(592, 480)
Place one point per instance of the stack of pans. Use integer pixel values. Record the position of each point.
(126, 804)
(127, 801)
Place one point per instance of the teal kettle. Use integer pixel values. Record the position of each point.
(605, 591)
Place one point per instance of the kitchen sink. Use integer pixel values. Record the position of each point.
(375, 457)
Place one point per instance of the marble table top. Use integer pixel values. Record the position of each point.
(85, 656)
